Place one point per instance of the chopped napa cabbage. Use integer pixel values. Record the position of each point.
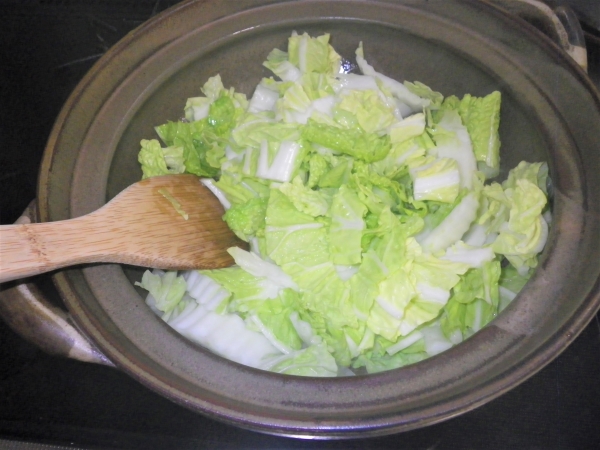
(272, 318)
(264, 99)
(454, 226)
(206, 291)
(408, 128)
(347, 226)
(198, 108)
(244, 286)
(247, 219)
(313, 361)
(474, 256)
(357, 143)
(377, 359)
(160, 161)
(256, 266)
(426, 92)
(525, 234)
(238, 190)
(278, 63)
(536, 173)
(256, 129)
(306, 200)
(375, 239)
(280, 167)
(311, 54)
(329, 171)
(409, 153)
(323, 293)
(224, 334)
(165, 291)
(371, 112)
(452, 140)
(509, 284)
(481, 116)
(439, 180)
(292, 235)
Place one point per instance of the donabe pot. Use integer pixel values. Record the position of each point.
(550, 112)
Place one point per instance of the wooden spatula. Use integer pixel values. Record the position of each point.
(168, 222)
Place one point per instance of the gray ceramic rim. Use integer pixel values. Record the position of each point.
(554, 307)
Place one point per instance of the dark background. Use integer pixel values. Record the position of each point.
(46, 46)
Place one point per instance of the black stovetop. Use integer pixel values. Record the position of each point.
(46, 47)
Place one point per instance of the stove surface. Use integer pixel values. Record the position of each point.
(47, 47)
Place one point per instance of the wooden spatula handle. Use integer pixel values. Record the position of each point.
(170, 222)
(32, 249)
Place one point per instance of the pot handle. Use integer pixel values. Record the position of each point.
(555, 19)
(28, 312)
